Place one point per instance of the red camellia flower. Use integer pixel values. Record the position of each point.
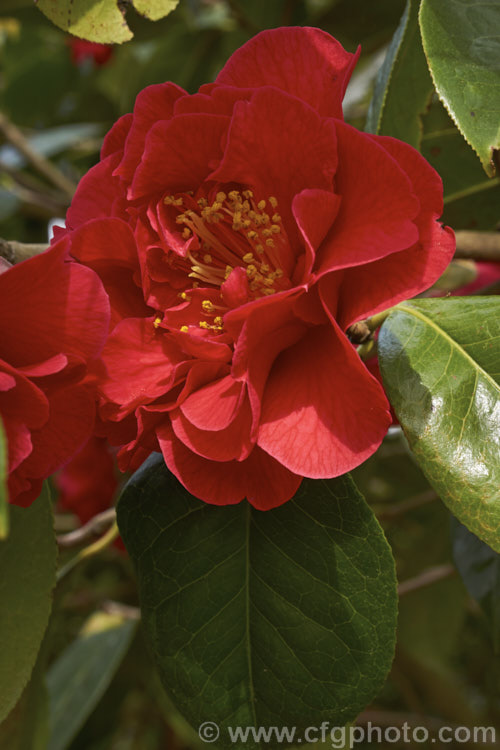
(82, 50)
(55, 318)
(239, 232)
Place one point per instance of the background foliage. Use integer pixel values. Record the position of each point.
(447, 667)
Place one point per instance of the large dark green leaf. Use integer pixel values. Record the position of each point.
(100, 20)
(479, 567)
(262, 618)
(78, 678)
(462, 46)
(27, 577)
(403, 87)
(440, 361)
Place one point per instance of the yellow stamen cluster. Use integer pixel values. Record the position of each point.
(234, 230)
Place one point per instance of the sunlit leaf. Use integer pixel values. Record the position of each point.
(262, 618)
(440, 361)
(462, 46)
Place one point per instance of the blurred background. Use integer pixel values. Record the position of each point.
(58, 97)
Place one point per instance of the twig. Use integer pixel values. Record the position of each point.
(399, 509)
(92, 528)
(93, 549)
(15, 252)
(478, 245)
(39, 162)
(432, 575)
(122, 610)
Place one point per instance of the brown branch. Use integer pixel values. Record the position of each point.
(92, 528)
(428, 577)
(478, 245)
(399, 509)
(15, 252)
(42, 165)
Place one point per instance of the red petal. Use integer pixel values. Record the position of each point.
(377, 207)
(99, 195)
(260, 478)
(279, 146)
(307, 63)
(114, 140)
(179, 154)
(49, 306)
(322, 413)
(214, 407)
(153, 104)
(314, 211)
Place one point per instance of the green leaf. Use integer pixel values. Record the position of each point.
(100, 20)
(479, 568)
(4, 492)
(403, 86)
(471, 199)
(440, 361)
(262, 618)
(462, 46)
(79, 677)
(28, 574)
(155, 9)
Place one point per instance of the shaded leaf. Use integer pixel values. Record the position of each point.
(28, 574)
(262, 618)
(403, 86)
(79, 677)
(4, 497)
(462, 46)
(440, 362)
(479, 568)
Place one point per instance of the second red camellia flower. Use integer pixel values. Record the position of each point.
(239, 232)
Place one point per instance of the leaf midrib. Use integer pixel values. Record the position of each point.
(453, 343)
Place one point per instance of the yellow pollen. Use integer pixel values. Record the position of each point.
(270, 243)
(185, 297)
(228, 271)
(273, 201)
(202, 202)
(275, 229)
(221, 197)
(251, 271)
(184, 329)
(157, 322)
(264, 268)
(186, 233)
(252, 235)
(259, 249)
(247, 258)
(171, 200)
(269, 291)
(207, 306)
(268, 281)
(247, 194)
(234, 195)
(276, 218)
(261, 205)
(218, 320)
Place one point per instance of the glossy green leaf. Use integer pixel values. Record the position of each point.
(28, 573)
(262, 618)
(101, 20)
(78, 678)
(479, 568)
(4, 497)
(462, 46)
(403, 86)
(440, 361)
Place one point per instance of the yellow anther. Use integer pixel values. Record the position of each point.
(207, 306)
(203, 324)
(252, 235)
(157, 322)
(220, 197)
(276, 218)
(207, 258)
(184, 329)
(275, 229)
(259, 249)
(261, 205)
(278, 273)
(202, 202)
(186, 233)
(171, 200)
(270, 243)
(228, 271)
(234, 195)
(266, 232)
(264, 268)
(269, 291)
(251, 271)
(268, 282)
(218, 320)
(185, 297)
(247, 194)
(247, 258)
(273, 201)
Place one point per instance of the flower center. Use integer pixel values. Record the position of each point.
(239, 246)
